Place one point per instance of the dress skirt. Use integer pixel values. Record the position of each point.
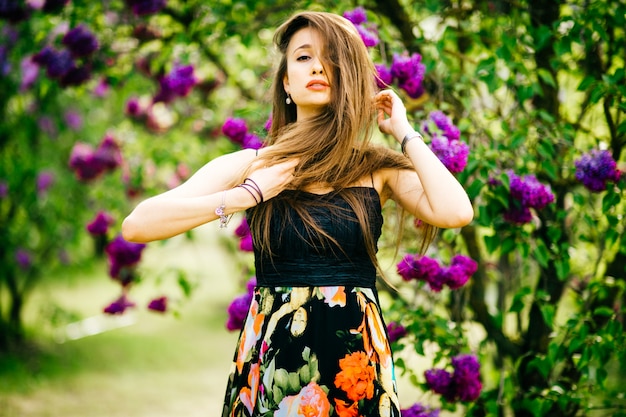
(314, 352)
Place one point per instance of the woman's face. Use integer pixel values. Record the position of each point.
(306, 80)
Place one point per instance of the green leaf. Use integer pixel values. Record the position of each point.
(603, 311)
(518, 299)
(610, 200)
(562, 269)
(541, 253)
(492, 243)
(586, 83)
(547, 312)
(546, 77)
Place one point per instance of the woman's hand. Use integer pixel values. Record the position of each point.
(273, 179)
(392, 118)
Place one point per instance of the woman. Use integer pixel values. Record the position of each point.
(314, 342)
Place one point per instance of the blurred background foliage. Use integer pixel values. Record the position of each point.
(535, 88)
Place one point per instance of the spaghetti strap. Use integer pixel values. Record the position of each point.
(257, 152)
(372, 178)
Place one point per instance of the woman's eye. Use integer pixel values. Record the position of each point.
(303, 58)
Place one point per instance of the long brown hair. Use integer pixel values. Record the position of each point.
(333, 147)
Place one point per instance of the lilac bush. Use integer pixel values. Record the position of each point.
(429, 270)
(463, 384)
(595, 169)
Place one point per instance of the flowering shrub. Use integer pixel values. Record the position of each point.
(366, 30)
(236, 130)
(463, 384)
(89, 163)
(525, 193)
(238, 307)
(418, 410)
(595, 169)
(423, 268)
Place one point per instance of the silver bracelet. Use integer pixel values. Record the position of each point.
(221, 211)
(409, 137)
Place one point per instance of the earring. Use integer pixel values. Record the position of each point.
(288, 100)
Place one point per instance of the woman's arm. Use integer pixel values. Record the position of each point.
(194, 202)
(430, 192)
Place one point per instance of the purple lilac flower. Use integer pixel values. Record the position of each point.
(395, 331)
(57, 63)
(238, 311)
(102, 88)
(243, 229)
(45, 179)
(418, 410)
(134, 108)
(80, 41)
(4, 189)
(356, 16)
(268, 123)
(595, 169)
(73, 120)
(84, 163)
(75, 76)
(409, 70)
(238, 308)
(235, 129)
(439, 380)
(158, 304)
(246, 244)
(413, 87)
(36, 4)
(100, 224)
(368, 35)
(119, 306)
(252, 141)
(529, 191)
(5, 65)
(460, 270)
(30, 71)
(123, 256)
(462, 385)
(518, 215)
(445, 125)
(452, 153)
(178, 83)
(23, 258)
(384, 77)
(108, 154)
(146, 7)
(418, 267)
(466, 377)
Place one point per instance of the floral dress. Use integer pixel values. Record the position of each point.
(314, 342)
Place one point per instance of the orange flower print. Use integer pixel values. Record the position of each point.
(334, 296)
(342, 409)
(311, 401)
(356, 376)
(250, 334)
(248, 395)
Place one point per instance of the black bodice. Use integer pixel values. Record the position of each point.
(301, 258)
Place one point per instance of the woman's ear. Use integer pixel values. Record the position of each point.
(286, 84)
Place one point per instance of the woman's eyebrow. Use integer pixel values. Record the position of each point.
(305, 46)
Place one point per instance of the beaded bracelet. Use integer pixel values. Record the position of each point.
(409, 137)
(221, 211)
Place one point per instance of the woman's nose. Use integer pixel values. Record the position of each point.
(317, 68)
